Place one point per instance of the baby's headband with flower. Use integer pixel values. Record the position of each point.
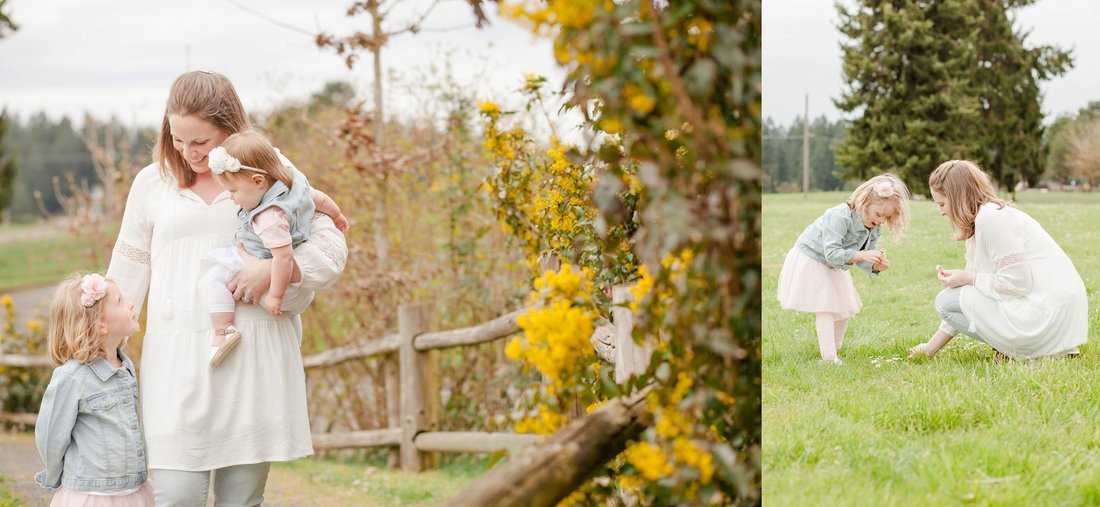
(222, 162)
(93, 287)
(884, 190)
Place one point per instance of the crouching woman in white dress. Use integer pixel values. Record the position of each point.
(226, 424)
(1019, 292)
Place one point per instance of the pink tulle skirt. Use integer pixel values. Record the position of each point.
(143, 497)
(807, 285)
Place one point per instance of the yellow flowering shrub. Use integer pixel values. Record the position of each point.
(670, 93)
(21, 388)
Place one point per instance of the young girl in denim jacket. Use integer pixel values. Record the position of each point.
(87, 431)
(815, 276)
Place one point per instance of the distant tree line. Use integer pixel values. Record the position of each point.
(782, 155)
(1074, 146)
(45, 151)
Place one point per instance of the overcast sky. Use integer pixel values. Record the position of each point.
(119, 57)
(801, 55)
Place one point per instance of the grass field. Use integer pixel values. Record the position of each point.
(33, 257)
(957, 429)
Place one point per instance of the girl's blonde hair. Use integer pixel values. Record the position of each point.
(210, 97)
(966, 188)
(73, 332)
(253, 149)
(883, 188)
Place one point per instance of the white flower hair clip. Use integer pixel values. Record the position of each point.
(884, 189)
(222, 162)
(92, 287)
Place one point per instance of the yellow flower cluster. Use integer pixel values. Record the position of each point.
(490, 109)
(638, 100)
(557, 339)
(649, 460)
(692, 455)
(565, 283)
(544, 422)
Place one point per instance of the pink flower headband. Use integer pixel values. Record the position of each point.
(94, 287)
(884, 190)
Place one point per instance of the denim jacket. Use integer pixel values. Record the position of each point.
(296, 202)
(836, 236)
(87, 431)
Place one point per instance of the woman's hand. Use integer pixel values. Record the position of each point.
(254, 278)
(951, 278)
(880, 267)
(922, 350)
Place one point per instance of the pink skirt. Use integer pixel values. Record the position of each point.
(143, 497)
(807, 285)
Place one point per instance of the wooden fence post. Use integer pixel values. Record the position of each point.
(391, 380)
(630, 358)
(417, 379)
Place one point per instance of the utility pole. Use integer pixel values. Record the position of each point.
(806, 151)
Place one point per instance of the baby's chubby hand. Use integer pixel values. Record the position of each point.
(273, 305)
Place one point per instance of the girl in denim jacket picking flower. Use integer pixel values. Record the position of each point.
(815, 276)
(87, 431)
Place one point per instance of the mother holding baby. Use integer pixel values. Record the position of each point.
(1019, 292)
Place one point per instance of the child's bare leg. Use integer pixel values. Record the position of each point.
(221, 321)
(825, 329)
(839, 327)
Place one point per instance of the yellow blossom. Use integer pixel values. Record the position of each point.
(6, 300)
(489, 109)
(688, 453)
(649, 460)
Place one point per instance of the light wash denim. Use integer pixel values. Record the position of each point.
(87, 431)
(836, 236)
(296, 202)
(234, 486)
(950, 310)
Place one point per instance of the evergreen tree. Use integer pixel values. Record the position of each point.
(940, 80)
(8, 170)
(1008, 78)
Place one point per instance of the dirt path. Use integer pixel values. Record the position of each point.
(19, 462)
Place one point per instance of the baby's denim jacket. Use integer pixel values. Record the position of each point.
(836, 236)
(88, 432)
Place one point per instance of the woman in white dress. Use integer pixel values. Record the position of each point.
(232, 421)
(1019, 292)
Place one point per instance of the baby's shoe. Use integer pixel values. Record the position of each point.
(232, 338)
(834, 360)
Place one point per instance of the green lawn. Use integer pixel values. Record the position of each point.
(46, 258)
(366, 482)
(958, 429)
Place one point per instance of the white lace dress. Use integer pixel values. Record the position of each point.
(1027, 300)
(252, 407)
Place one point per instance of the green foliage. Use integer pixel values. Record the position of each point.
(8, 169)
(6, 24)
(934, 81)
(782, 155)
(957, 429)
